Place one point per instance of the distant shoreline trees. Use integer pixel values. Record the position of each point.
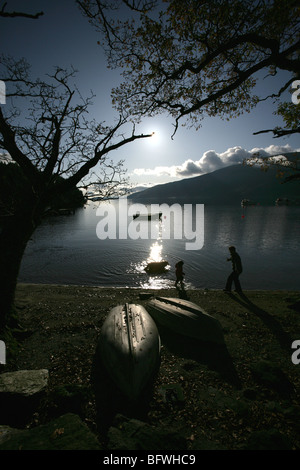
(13, 184)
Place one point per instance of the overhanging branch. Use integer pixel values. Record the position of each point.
(13, 14)
(279, 132)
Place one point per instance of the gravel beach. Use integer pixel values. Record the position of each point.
(242, 396)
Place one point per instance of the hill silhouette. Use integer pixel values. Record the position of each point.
(226, 186)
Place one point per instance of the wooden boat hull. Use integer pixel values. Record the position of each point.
(186, 318)
(130, 348)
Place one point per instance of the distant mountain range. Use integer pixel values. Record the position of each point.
(227, 186)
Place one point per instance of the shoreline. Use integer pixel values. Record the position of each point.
(230, 402)
(196, 289)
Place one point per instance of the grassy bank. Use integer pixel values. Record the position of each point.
(232, 398)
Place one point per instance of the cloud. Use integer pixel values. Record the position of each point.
(157, 171)
(211, 161)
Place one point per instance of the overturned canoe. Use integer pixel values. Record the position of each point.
(130, 348)
(186, 318)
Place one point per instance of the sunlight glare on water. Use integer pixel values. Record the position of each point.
(153, 281)
(155, 252)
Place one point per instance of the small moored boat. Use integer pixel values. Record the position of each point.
(157, 216)
(130, 348)
(247, 202)
(156, 267)
(186, 318)
(284, 201)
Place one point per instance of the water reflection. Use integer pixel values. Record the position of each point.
(152, 279)
(155, 254)
(66, 250)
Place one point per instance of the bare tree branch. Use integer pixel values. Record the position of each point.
(59, 140)
(279, 132)
(14, 14)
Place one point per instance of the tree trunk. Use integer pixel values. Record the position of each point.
(14, 236)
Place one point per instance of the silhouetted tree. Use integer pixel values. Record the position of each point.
(196, 58)
(56, 149)
(290, 114)
(12, 187)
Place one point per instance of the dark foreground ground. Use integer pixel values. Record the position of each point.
(241, 396)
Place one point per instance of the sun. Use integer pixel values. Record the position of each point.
(155, 138)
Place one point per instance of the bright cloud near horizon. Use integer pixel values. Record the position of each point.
(210, 161)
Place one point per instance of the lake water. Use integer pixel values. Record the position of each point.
(67, 250)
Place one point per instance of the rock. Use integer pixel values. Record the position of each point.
(24, 382)
(20, 395)
(6, 432)
(132, 434)
(68, 432)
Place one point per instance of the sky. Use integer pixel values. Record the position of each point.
(63, 37)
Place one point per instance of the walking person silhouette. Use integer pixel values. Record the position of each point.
(179, 273)
(236, 271)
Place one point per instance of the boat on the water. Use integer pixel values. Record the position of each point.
(284, 201)
(247, 202)
(130, 345)
(156, 267)
(186, 318)
(157, 216)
